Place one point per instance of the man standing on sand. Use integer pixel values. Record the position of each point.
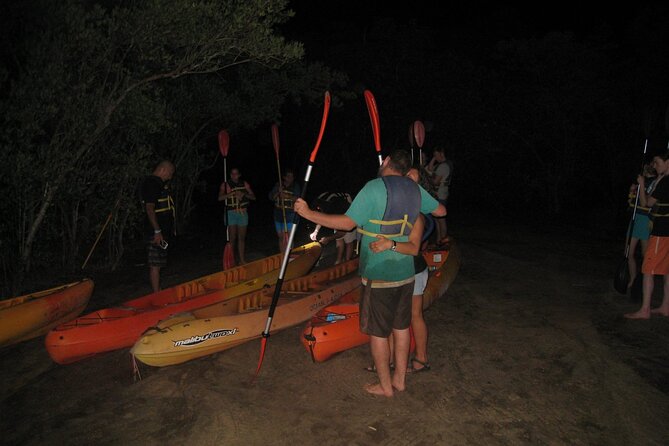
(160, 215)
(656, 258)
(386, 213)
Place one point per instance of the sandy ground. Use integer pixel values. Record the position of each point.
(527, 347)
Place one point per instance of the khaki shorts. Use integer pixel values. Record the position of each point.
(656, 260)
(385, 309)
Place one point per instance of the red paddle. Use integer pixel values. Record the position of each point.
(275, 142)
(419, 136)
(286, 254)
(374, 118)
(223, 147)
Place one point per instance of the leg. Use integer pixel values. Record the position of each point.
(644, 311)
(233, 236)
(419, 332)
(631, 260)
(340, 251)
(402, 340)
(663, 309)
(349, 250)
(154, 277)
(381, 355)
(241, 244)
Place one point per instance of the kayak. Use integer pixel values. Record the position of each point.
(32, 315)
(227, 324)
(337, 327)
(120, 326)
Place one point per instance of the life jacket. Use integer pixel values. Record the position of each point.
(165, 202)
(285, 202)
(402, 208)
(232, 202)
(631, 199)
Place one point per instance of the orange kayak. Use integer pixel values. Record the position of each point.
(336, 328)
(32, 315)
(119, 327)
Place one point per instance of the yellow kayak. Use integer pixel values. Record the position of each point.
(224, 325)
(32, 315)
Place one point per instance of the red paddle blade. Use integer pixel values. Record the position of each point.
(326, 111)
(228, 257)
(223, 142)
(419, 133)
(275, 138)
(263, 346)
(374, 117)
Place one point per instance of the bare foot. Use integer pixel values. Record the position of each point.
(399, 387)
(641, 314)
(661, 311)
(376, 389)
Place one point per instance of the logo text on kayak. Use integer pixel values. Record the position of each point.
(197, 339)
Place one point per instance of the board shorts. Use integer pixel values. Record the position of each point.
(656, 259)
(238, 218)
(350, 236)
(641, 229)
(279, 226)
(385, 309)
(420, 283)
(157, 256)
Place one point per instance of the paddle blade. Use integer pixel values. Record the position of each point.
(275, 139)
(223, 142)
(419, 133)
(374, 118)
(326, 112)
(263, 346)
(412, 139)
(228, 257)
(622, 276)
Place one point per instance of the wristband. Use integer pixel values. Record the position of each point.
(394, 247)
(157, 231)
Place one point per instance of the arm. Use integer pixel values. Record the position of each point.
(334, 221)
(249, 192)
(410, 247)
(222, 195)
(151, 215)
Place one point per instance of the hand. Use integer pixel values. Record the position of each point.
(313, 236)
(301, 207)
(381, 244)
(157, 238)
(325, 240)
(239, 194)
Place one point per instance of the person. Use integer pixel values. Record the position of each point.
(656, 259)
(283, 195)
(386, 213)
(160, 218)
(440, 170)
(641, 223)
(419, 362)
(236, 193)
(336, 203)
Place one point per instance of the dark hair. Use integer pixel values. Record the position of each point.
(400, 160)
(663, 155)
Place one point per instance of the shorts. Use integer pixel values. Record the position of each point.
(641, 229)
(656, 260)
(349, 237)
(279, 226)
(238, 218)
(420, 283)
(157, 255)
(385, 309)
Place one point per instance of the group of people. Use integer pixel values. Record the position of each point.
(387, 216)
(651, 231)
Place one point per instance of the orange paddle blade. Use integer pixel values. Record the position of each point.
(223, 142)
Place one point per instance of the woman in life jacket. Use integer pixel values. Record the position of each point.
(236, 193)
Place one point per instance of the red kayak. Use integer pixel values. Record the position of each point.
(336, 328)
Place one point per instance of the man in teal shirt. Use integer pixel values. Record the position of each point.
(385, 211)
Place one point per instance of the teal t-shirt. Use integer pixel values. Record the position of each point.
(370, 204)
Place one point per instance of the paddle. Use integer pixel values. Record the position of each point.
(419, 136)
(286, 254)
(97, 239)
(223, 147)
(622, 275)
(275, 142)
(374, 118)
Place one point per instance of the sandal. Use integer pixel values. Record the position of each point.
(372, 368)
(425, 366)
